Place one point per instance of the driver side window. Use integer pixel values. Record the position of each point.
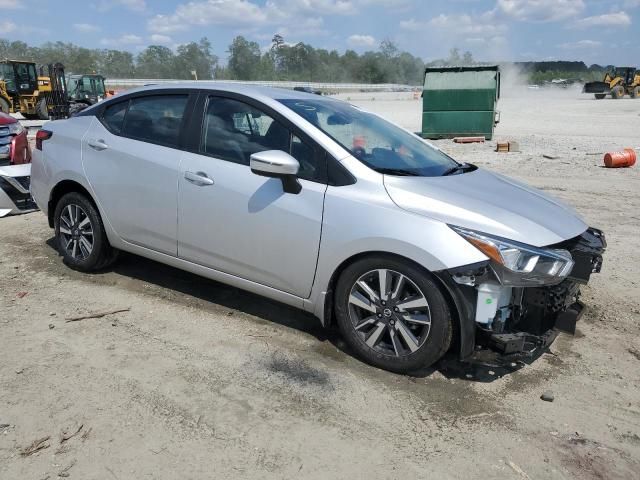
(234, 130)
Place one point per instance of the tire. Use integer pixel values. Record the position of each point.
(42, 110)
(80, 234)
(600, 96)
(617, 92)
(4, 106)
(635, 93)
(393, 335)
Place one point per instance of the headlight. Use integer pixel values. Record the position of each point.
(15, 128)
(520, 265)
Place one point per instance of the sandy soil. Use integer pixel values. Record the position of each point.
(199, 380)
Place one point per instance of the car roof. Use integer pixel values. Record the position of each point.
(251, 90)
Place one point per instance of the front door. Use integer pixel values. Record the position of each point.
(243, 224)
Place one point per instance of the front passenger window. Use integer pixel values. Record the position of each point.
(234, 131)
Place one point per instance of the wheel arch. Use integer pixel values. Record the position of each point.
(461, 311)
(62, 188)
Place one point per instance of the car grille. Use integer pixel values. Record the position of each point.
(24, 181)
(5, 146)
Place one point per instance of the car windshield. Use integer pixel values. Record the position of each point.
(375, 142)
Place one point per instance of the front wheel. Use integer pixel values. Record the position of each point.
(393, 314)
(600, 96)
(635, 93)
(617, 92)
(80, 234)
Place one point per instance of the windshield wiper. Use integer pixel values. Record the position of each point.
(397, 171)
(463, 167)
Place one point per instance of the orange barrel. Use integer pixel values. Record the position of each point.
(626, 158)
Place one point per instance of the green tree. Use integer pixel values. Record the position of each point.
(244, 59)
(116, 64)
(195, 56)
(155, 61)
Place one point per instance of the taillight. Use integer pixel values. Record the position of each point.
(42, 135)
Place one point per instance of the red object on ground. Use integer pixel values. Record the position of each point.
(626, 158)
(469, 139)
(19, 151)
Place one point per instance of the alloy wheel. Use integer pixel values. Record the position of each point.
(389, 312)
(76, 232)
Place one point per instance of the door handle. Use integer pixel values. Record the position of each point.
(97, 144)
(198, 178)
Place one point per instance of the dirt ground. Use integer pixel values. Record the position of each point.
(198, 380)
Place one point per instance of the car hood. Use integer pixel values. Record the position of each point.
(490, 203)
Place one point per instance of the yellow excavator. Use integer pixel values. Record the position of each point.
(36, 96)
(618, 82)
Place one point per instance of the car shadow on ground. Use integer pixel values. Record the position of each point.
(217, 294)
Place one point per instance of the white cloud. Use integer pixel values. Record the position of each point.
(210, 12)
(581, 44)
(617, 19)
(361, 41)
(540, 10)
(126, 39)
(160, 39)
(85, 27)
(7, 27)
(10, 4)
(251, 13)
(476, 28)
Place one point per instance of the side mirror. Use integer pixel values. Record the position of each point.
(277, 164)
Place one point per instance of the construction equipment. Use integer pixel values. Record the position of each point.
(35, 96)
(87, 89)
(618, 82)
(460, 101)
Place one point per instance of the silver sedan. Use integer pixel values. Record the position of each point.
(318, 204)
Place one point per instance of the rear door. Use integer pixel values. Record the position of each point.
(240, 223)
(131, 155)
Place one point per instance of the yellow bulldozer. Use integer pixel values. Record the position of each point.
(36, 96)
(618, 82)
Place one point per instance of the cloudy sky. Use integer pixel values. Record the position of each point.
(596, 31)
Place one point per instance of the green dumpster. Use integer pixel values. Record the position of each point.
(460, 101)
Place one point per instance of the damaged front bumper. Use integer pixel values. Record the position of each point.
(15, 197)
(525, 320)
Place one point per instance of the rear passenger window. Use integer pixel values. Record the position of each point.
(155, 119)
(113, 116)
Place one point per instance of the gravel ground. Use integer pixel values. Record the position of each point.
(199, 380)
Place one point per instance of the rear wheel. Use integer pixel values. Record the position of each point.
(393, 314)
(80, 234)
(42, 110)
(4, 106)
(600, 96)
(635, 93)
(617, 92)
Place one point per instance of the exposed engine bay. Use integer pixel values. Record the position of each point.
(515, 318)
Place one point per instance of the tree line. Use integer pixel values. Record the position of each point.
(246, 61)
(281, 61)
